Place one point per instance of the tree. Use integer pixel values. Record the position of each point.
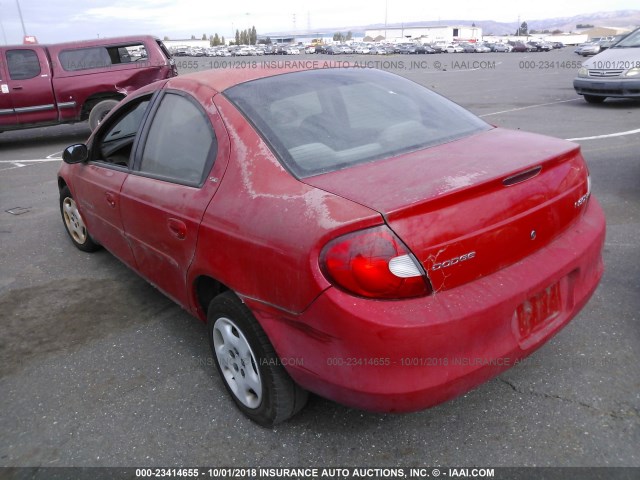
(556, 32)
(524, 29)
(223, 41)
(216, 40)
(253, 36)
(204, 36)
(237, 37)
(338, 37)
(193, 37)
(165, 38)
(349, 35)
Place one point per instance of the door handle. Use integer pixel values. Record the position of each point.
(18, 87)
(177, 228)
(110, 199)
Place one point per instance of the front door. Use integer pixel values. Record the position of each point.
(29, 85)
(98, 183)
(7, 114)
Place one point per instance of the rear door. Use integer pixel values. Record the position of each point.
(29, 84)
(163, 203)
(7, 115)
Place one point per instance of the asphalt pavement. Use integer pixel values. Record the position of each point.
(97, 368)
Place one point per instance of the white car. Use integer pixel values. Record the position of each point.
(590, 48)
(502, 47)
(451, 48)
(481, 48)
(615, 72)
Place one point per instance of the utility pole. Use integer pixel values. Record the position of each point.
(4, 34)
(24, 31)
(386, 11)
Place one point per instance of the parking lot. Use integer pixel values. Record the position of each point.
(97, 368)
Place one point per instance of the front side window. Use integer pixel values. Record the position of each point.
(115, 146)
(181, 144)
(319, 121)
(23, 64)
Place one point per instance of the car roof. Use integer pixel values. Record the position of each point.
(221, 79)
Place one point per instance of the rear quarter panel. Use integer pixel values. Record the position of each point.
(262, 234)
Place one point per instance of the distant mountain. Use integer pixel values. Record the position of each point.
(620, 18)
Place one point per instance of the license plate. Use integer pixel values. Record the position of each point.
(537, 311)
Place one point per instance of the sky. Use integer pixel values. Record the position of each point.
(63, 20)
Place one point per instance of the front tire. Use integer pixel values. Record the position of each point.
(74, 224)
(99, 111)
(248, 365)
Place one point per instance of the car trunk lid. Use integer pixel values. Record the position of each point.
(471, 207)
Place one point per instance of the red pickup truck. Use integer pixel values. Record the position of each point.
(71, 82)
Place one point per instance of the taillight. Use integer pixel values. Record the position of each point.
(374, 263)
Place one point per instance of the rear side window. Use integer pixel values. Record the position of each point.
(23, 64)
(101, 57)
(319, 121)
(181, 144)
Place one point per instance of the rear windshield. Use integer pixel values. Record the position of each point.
(101, 56)
(319, 121)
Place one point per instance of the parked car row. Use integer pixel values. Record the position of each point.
(408, 48)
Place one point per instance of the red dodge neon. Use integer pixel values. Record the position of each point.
(342, 231)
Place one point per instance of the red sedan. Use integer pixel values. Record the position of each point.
(341, 231)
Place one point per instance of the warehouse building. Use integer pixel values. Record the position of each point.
(431, 34)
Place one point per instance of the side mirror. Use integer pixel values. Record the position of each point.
(76, 154)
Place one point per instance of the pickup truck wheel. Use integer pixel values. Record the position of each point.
(248, 365)
(74, 224)
(594, 99)
(99, 111)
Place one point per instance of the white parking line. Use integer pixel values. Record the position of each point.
(11, 164)
(608, 135)
(530, 106)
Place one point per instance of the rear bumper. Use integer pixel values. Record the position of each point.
(408, 355)
(607, 87)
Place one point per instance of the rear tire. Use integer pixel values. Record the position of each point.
(248, 365)
(74, 224)
(594, 99)
(99, 111)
